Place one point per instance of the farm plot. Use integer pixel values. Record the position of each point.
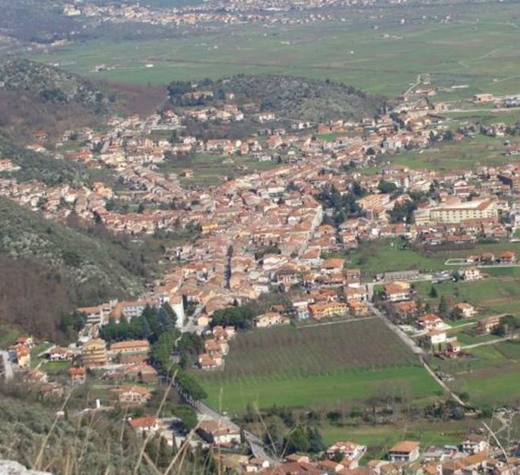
(320, 365)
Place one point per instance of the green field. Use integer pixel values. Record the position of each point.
(467, 154)
(477, 50)
(494, 375)
(321, 365)
(386, 256)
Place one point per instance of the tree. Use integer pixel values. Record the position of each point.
(187, 415)
(443, 307)
(386, 187)
(315, 440)
(433, 293)
(298, 441)
(164, 454)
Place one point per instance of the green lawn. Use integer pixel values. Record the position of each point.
(329, 389)
(55, 367)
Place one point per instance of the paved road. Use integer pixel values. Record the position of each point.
(8, 367)
(484, 343)
(442, 384)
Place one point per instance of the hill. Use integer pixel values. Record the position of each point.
(37, 166)
(292, 97)
(35, 96)
(53, 268)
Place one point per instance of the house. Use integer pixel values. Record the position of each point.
(436, 337)
(466, 310)
(430, 321)
(471, 273)
(218, 432)
(453, 349)
(134, 395)
(21, 355)
(507, 257)
(332, 266)
(488, 325)
(78, 374)
(270, 319)
(474, 443)
(349, 450)
(405, 451)
(327, 309)
(129, 347)
(397, 291)
(145, 425)
(60, 354)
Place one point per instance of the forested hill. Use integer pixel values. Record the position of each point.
(292, 97)
(48, 268)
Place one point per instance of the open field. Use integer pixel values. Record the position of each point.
(477, 49)
(491, 296)
(492, 376)
(386, 256)
(320, 365)
(468, 154)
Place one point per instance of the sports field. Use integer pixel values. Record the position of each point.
(369, 49)
(323, 365)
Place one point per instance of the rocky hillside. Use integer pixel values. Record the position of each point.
(53, 268)
(290, 97)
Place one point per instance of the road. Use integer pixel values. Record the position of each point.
(484, 343)
(257, 446)
(8, 367)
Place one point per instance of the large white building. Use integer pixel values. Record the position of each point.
(456, 213)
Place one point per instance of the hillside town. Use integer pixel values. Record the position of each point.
(286, 229)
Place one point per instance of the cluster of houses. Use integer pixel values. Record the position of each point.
(473, 455)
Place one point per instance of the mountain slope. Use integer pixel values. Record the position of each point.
(53, 268)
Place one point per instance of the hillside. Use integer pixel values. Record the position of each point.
(36, 166)
(302, 98)
(53, 268)
(93, 447)
(35, 96)
(289, 97)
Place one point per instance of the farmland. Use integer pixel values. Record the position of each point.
(490, 375)
(476, 50)
(345, 362)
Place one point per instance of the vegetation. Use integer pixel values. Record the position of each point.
(345, 362)
(290, 97)
(54, 268)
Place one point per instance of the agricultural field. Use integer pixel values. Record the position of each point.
(344, 362)
(491, 296)
(491, 376)
(369, 49)
(467, 154)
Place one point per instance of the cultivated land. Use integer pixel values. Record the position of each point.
(345, 362)
(477, 49)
